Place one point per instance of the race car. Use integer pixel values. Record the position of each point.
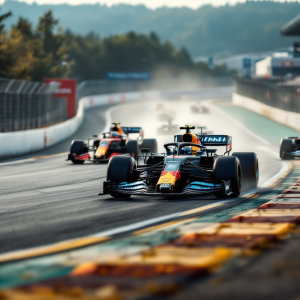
(168, 128)
(199, 108)
(188, 167)
(290, 148)
(115, 142)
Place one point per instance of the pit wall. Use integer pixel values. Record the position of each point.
(286, 118)
(26, 141)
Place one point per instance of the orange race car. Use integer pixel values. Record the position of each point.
(115, 142)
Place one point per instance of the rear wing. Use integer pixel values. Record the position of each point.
(217, 140)
(128, 130)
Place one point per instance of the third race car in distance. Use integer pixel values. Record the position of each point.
(115, 142)
(290, 148)
(199, 108)
(187, 168)
(168, 128)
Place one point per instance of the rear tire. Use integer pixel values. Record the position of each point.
(285, 146)
(78, 147)
(132, 148)
(228, 168)
(151, 144)
(120, 169)
(250, 169)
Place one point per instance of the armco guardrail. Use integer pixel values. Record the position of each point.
(287, 118)
(28, 105)
(26, 141)
(275, 95)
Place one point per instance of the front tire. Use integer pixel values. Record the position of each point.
(228, 168)
(250, 169)
(77, 147)
(285, 146)
(120, 169)
(132, 148)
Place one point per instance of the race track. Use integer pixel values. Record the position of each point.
(49, 200)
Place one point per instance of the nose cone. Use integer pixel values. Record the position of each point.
(169, 177)
(101, 151)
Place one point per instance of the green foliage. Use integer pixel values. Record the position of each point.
(209, 30)
(2, 19)
(34, 54)
(4, 62)
(93, 57)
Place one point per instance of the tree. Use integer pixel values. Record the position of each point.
(25, 51)
(131, 52)
(54, 49)
(4, 59)
(2, 18)
(154, 37)
(34, 54)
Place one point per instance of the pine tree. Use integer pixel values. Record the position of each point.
(5, 62)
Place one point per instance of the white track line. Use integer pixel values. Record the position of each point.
(18, 162)
(37, 158)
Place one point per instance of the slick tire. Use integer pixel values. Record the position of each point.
(228, 168)
(151, 144)
(132, 148)
(250, 169)
(120, 169)
(78, 147)
(285, 146)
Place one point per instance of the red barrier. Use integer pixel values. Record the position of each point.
(67, 89)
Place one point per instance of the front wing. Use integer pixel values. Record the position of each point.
(292, 154)
(87, 157)
(140, 188)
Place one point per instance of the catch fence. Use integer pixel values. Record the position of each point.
(279, 95)
(28, 105)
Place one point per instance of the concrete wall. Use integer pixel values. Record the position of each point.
(286, 118)
(26, 141)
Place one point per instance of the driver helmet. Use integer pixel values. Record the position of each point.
(186, 151)
(114, 135)
(117, 129)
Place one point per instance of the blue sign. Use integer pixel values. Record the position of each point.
(247, 63)
(127, 75)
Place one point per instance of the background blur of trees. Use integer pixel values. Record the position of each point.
(33, 54)
(46, 51)
(217, 31)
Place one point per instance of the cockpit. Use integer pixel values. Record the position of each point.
(192, 151)
(114, 135)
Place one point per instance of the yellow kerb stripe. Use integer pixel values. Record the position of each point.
(161, 226)
(59, 247)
